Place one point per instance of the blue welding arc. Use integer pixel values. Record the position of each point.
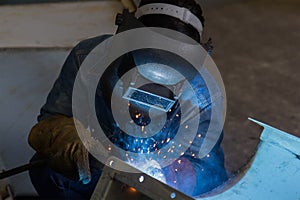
(150, 144)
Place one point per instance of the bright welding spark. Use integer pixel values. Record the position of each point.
(131, 189)
(141, 179)
(150, 167)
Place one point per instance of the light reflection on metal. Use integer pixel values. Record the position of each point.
(273, 174)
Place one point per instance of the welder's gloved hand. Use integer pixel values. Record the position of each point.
(56, 139)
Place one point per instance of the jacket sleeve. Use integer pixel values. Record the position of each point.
(59, 100)
(193, 175)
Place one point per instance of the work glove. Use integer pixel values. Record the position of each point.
(56, 139)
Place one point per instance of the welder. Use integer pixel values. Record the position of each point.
(72, 173)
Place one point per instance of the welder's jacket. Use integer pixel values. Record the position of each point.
(209, 171)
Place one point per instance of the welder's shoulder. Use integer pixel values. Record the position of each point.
(83, 48)
(90, 43)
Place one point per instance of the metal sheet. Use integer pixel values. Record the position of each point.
(273, 174)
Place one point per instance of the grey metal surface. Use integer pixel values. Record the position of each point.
(148, 187)
(273, 174)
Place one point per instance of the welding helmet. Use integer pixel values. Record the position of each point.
(183, 15)
(189, 13)
(149, 82)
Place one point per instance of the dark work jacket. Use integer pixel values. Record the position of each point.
(209, 172)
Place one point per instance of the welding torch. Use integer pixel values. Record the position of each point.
(23, 168)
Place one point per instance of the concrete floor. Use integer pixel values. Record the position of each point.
(257, 51)
(256, 48)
